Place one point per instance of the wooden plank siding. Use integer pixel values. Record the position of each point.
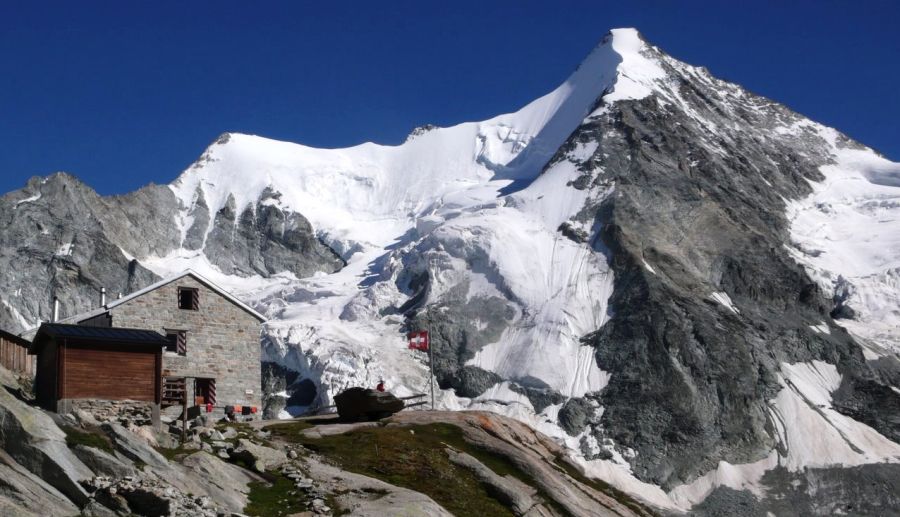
(14, 357)
(109, 372)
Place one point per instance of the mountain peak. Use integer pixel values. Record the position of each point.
(635, 70)
(628, 35)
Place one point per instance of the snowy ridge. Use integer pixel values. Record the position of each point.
(371, 194)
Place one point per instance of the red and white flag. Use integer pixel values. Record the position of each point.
(418, 340)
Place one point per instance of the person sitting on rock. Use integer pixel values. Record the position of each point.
(380, 386)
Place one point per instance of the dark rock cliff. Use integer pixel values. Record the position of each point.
(58, 237)
(699, 184)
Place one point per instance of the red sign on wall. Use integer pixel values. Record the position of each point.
(418, 340)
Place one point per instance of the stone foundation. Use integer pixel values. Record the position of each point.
(124, 412)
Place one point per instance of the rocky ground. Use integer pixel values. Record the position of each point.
(414, 463)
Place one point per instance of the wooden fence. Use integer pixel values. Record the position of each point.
(14, 355)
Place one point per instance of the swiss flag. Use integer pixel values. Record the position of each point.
(418, 340)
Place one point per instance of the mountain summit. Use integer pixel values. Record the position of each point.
(690, 286)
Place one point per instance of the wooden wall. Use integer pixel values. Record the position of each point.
(110, 372)
(14, 357)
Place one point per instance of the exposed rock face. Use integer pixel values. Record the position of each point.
(366, 497)
(282, 388)
(23, 494)
(512, 492)
(31, 438)
(58, 230)
(863, 490)
(697, 214)
(42, 474)
(531, 452)
(453, 332)
(263, 240)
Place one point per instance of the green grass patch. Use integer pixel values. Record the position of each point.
(276, 498)
(415, 460)
(88, 437)
(289, 431)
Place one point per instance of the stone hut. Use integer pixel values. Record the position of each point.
(213, 353)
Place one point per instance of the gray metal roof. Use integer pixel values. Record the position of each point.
(109, 334)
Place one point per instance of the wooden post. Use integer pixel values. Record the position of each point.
(184, 398)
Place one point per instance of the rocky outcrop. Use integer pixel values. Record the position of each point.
(31, 438)
(362, 496)
(52, 466)
(454, 334)
(134, 447)
(283, 387)
(58, 230)
(24, 494)
(518, 496)
(259, 457)
(534, 454)
(264, 240)
(862, 490)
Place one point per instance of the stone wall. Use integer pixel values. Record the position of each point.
(124, 412)
(222, 339)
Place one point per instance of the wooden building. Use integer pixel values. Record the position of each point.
(76, 362)
(14, 354)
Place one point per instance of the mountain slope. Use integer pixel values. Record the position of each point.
(645, 264)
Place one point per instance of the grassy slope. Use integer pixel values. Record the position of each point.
(412, 457)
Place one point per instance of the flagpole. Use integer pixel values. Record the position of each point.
(431, 364)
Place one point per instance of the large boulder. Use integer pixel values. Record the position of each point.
(355, 403)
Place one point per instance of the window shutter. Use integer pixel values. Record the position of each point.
(195, 300)
(181, 346)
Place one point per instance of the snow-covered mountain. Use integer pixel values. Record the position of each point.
(693, 287)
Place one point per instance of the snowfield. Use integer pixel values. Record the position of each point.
(847, 236)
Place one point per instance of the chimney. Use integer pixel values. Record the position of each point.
(102, 297)
(55, 310)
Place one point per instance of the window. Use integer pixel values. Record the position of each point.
(177, 341)
(204, 392)
(188, 299)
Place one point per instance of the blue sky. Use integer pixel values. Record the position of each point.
(126, 93)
